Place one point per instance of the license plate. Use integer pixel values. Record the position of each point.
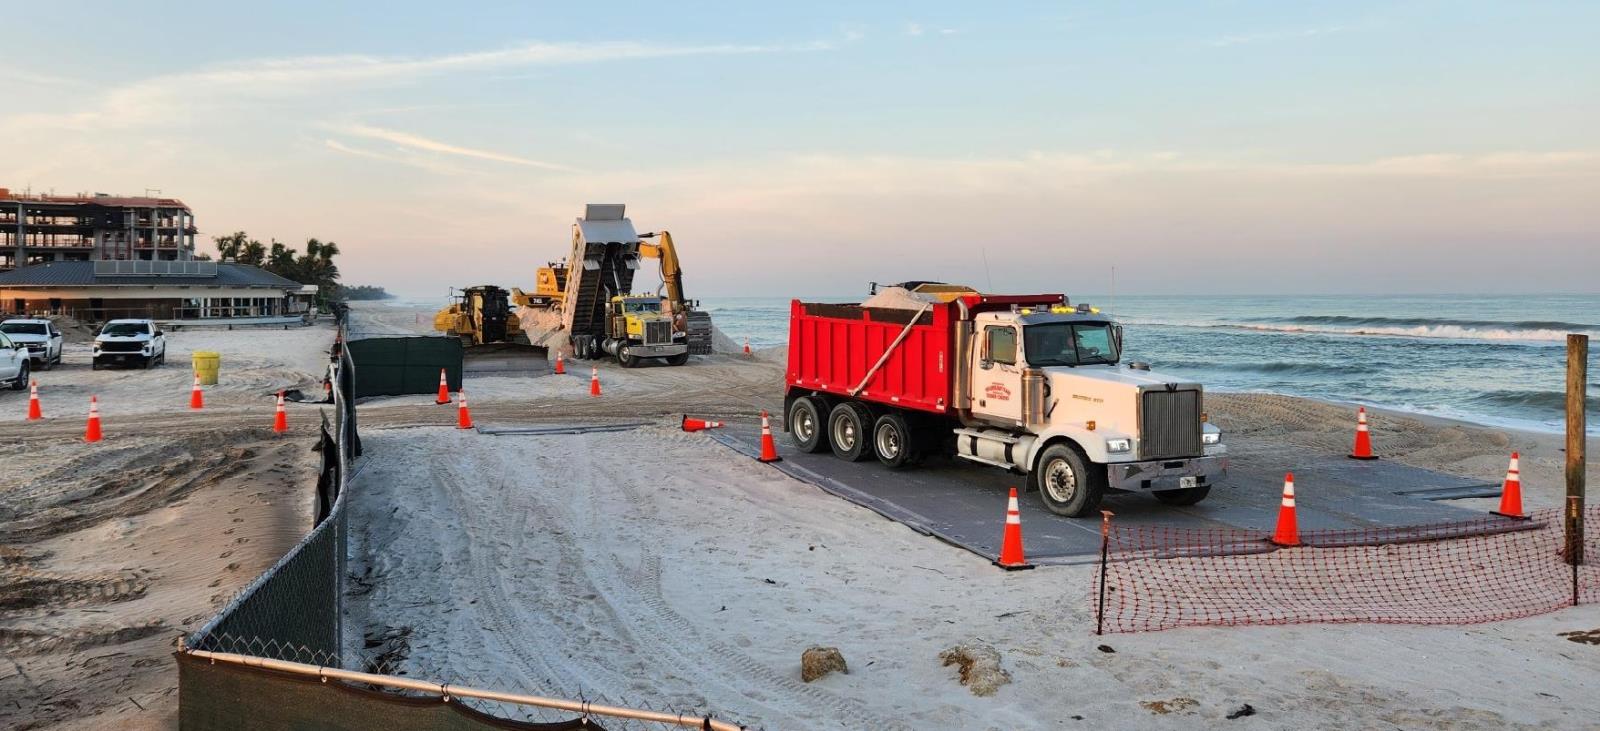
(1190, 481)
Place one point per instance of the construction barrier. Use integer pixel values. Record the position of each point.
(276, 656)
(1481, 570)
(396, 366)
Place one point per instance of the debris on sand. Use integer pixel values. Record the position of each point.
(979, 664)
(1176, 705)
(1244, 710)
(1590, 637)
(818, 661)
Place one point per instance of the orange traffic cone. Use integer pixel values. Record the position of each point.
(34, 412)
(197, 400)
(769, 451)
(1288, 532)
(1011, 558)
(280, 420)
(1363, 447)
(92, 432)
(693, 425)
(561, 366)
(463, 414)
(1511, 492)
(747, 346)
(594, 381)
(444, 389)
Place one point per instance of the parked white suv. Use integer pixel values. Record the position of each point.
(41, 337)
(127, 342)
(13, 364)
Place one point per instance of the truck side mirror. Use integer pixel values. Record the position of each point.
(1116, 332)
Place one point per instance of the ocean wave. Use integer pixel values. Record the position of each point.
(1294, 368)
(1549, 401)
(1451, 332)
(1409, 322)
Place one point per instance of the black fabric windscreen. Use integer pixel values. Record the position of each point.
(405, 365)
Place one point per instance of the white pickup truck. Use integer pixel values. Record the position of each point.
(41, 337)
(13, 363)
(130, 342)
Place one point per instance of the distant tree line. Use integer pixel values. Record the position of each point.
(315, 266)
(363, 292)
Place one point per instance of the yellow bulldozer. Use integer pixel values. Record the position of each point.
(491, 334)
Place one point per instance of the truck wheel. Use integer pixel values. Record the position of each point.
(891, 441)
(805, 423)
(1067, 483)
(627, 361)
(21, 382)
(1183, 496)
(848, 428)
(678, 360)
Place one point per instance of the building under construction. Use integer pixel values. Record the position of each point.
(35, 229)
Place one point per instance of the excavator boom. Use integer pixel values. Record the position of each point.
(696, 322)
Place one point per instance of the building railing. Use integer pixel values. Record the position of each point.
(138, 268)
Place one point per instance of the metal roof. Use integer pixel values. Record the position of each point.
(82, 274)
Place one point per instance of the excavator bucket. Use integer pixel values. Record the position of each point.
(504, 359)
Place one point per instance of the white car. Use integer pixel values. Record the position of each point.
(41, 337)
(130, 342)
(13, 363)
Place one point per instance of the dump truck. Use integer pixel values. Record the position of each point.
(491, 334)
(1026, 383)
(593, 286)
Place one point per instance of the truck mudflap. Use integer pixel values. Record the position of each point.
(1166, 474)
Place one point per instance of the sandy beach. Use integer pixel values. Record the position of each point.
(688, 575)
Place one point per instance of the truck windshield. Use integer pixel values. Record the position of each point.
(642, 306)
(124, 329)
(23, 328)
(1069, 344)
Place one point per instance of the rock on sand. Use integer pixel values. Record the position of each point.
(816, 662)
(980, 667)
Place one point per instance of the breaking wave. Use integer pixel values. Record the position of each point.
(1553, 402)
(1531, 331)
(1288, 368)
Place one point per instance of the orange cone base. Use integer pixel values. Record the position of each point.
(1013, 566)
(1362, 457)
(444, 397)
(1508, 515)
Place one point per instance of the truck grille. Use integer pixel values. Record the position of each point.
(121, 346)
(657, 332)
(1170, 425)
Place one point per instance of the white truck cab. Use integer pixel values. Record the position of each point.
(1049, 396)
(13, 363)
(42, 338)
(130, 342)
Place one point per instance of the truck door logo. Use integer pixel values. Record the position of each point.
(998, 392)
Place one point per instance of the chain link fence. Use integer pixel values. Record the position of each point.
(276, 657)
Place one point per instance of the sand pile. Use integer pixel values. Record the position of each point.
(898, 298)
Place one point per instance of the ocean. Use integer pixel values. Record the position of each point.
(1489, 359)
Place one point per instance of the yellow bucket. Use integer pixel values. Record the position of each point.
(207, 364)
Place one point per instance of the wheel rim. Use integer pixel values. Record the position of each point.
(1060, 481)
(844, 433)
(805, 424)
(888, 441)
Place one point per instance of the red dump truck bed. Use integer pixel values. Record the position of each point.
(833, 348)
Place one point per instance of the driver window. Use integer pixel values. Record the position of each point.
(1002, 344)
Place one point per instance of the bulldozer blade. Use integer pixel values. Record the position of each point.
(505, 359)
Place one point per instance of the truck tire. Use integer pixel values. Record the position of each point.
(849, 427)
(677, 360)
(1067, 482)
(21, 382)
(892, 441)
(1183, 496)
(627, 361)
(806, 424)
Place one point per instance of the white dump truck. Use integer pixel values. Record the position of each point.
(1026, 383)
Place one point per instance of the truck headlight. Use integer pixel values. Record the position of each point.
(1211, 437)
(1116, 446)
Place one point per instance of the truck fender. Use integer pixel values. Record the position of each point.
(1091, 443)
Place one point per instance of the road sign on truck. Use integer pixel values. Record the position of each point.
(1026, 383)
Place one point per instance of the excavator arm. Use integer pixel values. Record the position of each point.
(696, 323)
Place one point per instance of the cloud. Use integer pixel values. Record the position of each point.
(158, 99)
(913, 29)
(418, 142)
(1281, 35)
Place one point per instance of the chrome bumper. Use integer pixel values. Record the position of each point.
(1165, 474)
(656, 351)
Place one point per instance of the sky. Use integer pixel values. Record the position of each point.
(810, 148)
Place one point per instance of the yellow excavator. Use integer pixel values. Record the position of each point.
(491, 334)
(687, 317)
